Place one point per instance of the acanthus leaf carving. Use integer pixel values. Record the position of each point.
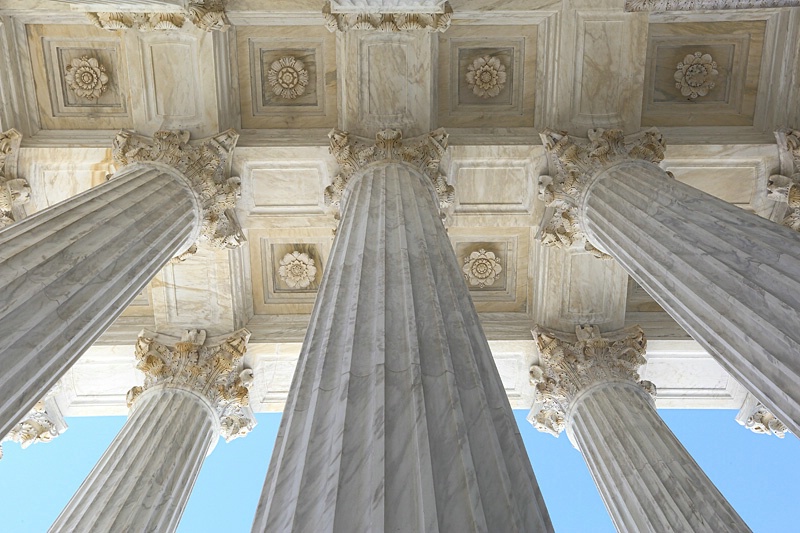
(755, 416)
(14, 192)
(576, 163)
(207, 15)
(424, 153)
(213, 371)
(205, 165)
(43, 423)
(785, 187)
(570, 364)
(387, 22)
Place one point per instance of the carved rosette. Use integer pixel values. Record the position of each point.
(14, 193)
(424, 153)
(785, 187)
(388, 22)
(86, 77)
(575, 163)
(213, 371)
(702, 5)
(205, 165)
(486, 76)
(569, 365)
(695, 75)
(43, 423)
(287, 77)
(481, 268)
(297, 270)
(206, 15)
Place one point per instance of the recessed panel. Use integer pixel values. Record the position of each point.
(735, 185)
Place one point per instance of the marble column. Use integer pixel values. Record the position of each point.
(728, 277)
(397, 419)
(67, 272)
(195, 390)
(588, 384)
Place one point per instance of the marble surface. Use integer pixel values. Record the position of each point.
(145, 477)
(70, 270)
(728, 277)
(395, 349)
(647, 479)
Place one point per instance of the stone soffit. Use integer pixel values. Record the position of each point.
(282, 80)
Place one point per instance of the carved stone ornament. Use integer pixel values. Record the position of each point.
(389, 22)
(43, 423)
(424, 153)
(213, 371)
(786, 187)
(205, 164)
(481, 268)
(14, 193)
(575, 163)
(695, 75)
(569, 365)
(297, 270)
(700, 5)
(287, 77)
(486, 76)
(207, 15)
(757, 418)
(86, 77)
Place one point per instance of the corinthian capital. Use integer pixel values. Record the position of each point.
(13, 192)
(43, 423)
(571, 364)
(207, 15)
(575, 163)
(757, 418)
(785, 187)
(409, 15)
(213, 370)
(424, 153)
(205, 164)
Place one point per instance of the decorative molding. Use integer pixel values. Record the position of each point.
(213, 371)
(287, 77)
(297, 270)
(481, 268)
(569, 365)
(424, 153)
(576, 163)
(387, 22)
(757, 418)
(785, 187)
(205, 165)
(43, 423)
(86, 77)
(695, 75)
(486, 76)
(206, 15)
(701, 5)
(13, 192)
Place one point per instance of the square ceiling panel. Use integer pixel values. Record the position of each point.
(287, 77)
(487, 76)
(703, 73)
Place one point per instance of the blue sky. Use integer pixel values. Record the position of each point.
(759, 475)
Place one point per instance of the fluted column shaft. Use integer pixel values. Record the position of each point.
(144, 479)
(397, 419)
(730, 278)
(67, 272)
(647, 479)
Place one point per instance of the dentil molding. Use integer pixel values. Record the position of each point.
(575, 164)
(205, 164)
(213, 371)
(571, 364)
